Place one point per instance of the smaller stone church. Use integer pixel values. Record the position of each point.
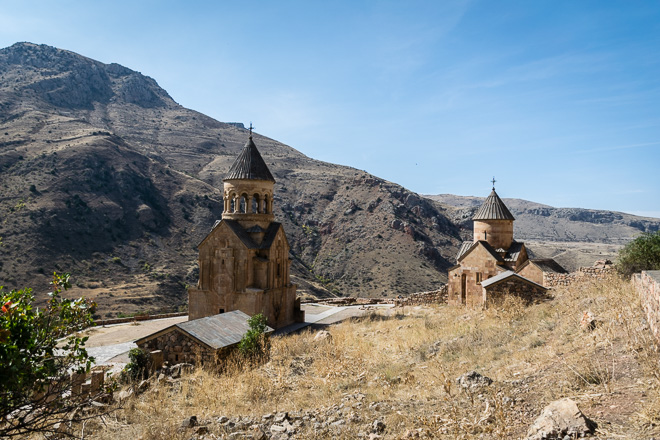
(244, 261)
(493, 263)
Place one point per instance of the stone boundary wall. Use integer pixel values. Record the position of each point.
(138, 318)
(414, 299)
(596, 272)
(422, 298)
(647, 286)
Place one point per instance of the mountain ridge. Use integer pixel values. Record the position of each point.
(106, 176)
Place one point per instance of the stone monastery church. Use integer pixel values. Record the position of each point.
(493, 263)
(244, 261)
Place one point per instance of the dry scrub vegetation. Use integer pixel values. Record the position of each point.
(401, 369)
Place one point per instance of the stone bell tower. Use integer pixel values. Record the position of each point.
(244, 261)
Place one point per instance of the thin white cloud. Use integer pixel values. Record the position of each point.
(617, 147)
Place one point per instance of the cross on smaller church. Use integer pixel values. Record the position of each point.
(251, 128)
(493, 182)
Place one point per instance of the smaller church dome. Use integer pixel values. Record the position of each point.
(249, 165)
(493, 209)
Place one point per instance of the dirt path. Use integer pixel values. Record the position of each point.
(122, 333)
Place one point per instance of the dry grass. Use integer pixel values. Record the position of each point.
(402, 369)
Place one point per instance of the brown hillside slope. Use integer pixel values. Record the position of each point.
(104, 175)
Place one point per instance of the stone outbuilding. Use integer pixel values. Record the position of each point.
(540, 269)
(510, 283)
(203, 340)
(244, 261)
(491, 253)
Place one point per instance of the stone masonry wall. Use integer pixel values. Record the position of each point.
(177, 347)
(423, 298)
(598, 271)
(414, 299)
(647, 285)
(497, 291)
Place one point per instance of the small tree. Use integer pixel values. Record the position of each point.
(138, 367)
(255, 344)
(35, 362)
(643, 253)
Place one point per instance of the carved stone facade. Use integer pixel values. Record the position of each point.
(491, 253)
(244, 262)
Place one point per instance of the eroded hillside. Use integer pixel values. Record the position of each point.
(105, 176)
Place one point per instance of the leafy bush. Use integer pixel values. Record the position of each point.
(138, 367)
(35, 391)
(643, 253)
(255, 344)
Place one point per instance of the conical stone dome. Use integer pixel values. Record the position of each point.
(493, 209)
(249, 165)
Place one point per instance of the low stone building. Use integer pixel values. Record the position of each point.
(510, 283)
(244, 261)
(493, 253)
(205, 340)
(541, 270)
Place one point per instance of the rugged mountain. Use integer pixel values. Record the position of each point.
(104, 175)
(574, 236)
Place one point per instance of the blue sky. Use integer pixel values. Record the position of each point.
(559, 100)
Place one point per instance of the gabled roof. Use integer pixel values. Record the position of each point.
(548, 265)
(244, 236)
(215, 331)
(509, 274)
(487, 246)
(249, 165)
(219, 331)
(464, 248)
(493, 209)
(513, 252)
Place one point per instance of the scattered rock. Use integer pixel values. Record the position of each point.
(125, 394)
(189, 422)
(377, 426)
(142, 386)
(277, 428)
(322, 335)
(559, 419)
(473, 380)
(201, 430)
(588, 322)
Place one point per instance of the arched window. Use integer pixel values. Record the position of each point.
(232, 202)
(243, 201)
(266, 204)
(255, 204)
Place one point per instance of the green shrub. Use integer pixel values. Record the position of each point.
(138, 367)
(255, 344)
(643, 253)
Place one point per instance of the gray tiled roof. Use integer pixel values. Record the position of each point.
(219, 331)
(485, 244)
(508, 274)
(493, 209)
(243, 235)
(549, 265)
(249, 165)
(464, 248)
(513, 252)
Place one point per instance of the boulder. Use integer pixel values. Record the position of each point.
(189, 422)
(473, 380)
(322, 335)
(588, 322)
(559, 419)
